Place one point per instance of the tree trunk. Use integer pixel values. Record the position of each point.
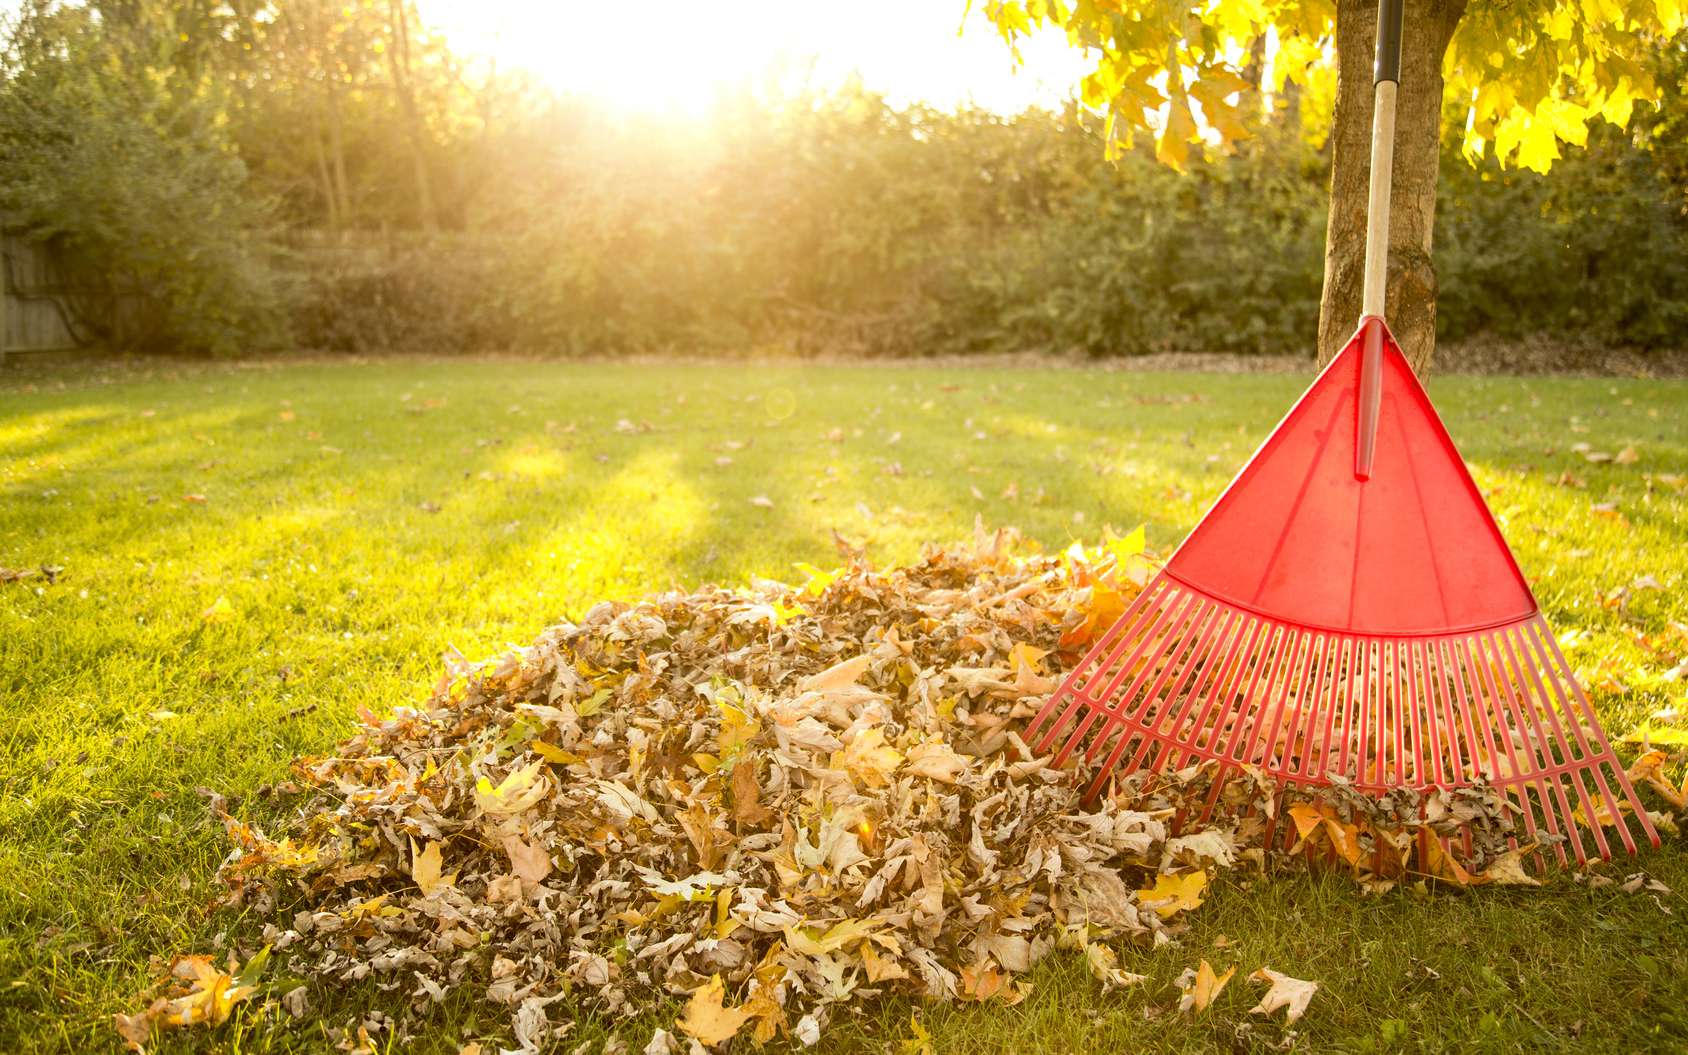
(398, 58)
(1418, 118)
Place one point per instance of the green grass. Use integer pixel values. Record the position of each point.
(322, 533)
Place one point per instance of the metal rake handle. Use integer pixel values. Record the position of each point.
(1386, 75)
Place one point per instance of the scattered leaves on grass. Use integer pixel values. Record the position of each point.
(196, 991)
(1201, 987)
(1291, 994)
(49, 572)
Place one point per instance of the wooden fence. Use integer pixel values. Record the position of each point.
(37, 312)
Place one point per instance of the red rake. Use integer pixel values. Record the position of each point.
(1349, 607)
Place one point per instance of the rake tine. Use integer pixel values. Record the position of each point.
(1354, 732)
(1591, 759)
(1515, 781)
(1206, 736)
(1573, 763)
(1564, 671)
(1460, 715)
(1133, 621)
(1188, 634)
(1263, 748)
(1282, 655)
(1397, 713)
(1329, 652)
(1444, 767)
(1074, 686)
(1103, 701)
(1331, 676)
(1199, 665)
(1215, 667)
(1112, 711)
(1533, 751)
(1555, 769)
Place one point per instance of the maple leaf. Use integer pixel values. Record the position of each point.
(518, 791)
(1508, 869)
(880, 968)
(1201, 987)
(868, 759)
(528, 861)
(425, 867)
(707, 1020)
(1174, 893)
(1292, 994)
(935, 760)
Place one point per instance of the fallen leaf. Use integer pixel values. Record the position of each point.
(517, 792)
(1176, 893)
(425, 866)
(1201, 987)
(528, 861)
(707, 1020)
(1289, 993)
(1104, 966)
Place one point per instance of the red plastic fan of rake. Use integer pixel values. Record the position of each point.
(1322, 620)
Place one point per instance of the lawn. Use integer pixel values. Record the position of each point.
(354, 520)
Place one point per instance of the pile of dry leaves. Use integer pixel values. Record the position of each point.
(773, 802)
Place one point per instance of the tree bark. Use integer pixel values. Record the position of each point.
(398, 58)
(1411, 305)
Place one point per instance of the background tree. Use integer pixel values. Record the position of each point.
(1519, 78)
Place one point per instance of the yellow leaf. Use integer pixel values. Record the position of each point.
(516, 793)
(1538, 148)
(1173, 146)
(1670, 16)
(880, 968)
(1026, 655)
(552, 753)
(707, 1020)
(1130, 544)
(1202, 987)
(818, 580)
(221, 611)
(1292, 994)
(845, 932)
(1173, 894)
(868, 759)
(425, 868)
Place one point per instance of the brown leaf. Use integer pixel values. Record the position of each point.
(707, 1020)
(747, 794)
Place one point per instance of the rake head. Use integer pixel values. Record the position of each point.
(1322, 623)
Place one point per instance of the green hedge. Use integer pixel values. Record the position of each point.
(852, 227)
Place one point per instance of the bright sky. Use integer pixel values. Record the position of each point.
(675, 55)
